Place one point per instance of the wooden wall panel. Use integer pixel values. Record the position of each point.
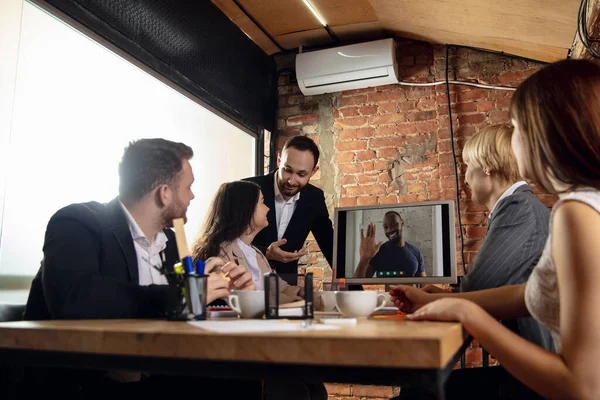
(539, 29)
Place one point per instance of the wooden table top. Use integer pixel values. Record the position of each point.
(369, 343)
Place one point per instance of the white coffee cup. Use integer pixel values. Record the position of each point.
(247, 303)
(359, 304)
(324, 301)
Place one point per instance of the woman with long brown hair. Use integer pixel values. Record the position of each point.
(237, 214)
(556, 116)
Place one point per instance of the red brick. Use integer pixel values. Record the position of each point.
(503, 103)
(389, 199)
(350, 168)
(447, 170)
(372, 391)
(471, 119)
(344, 157)
(426, 104)
(386, 130)
(485, 106)
(387, 142)
(512, 76)
(337, 389)
(363, 179)
(384, 177)
(473, 355)
(356, 133)
(365, 155)
(353, 121)
(407, 198)
(367, 201)
(381, 97)
(416, 188)
(388, 152)
(415, 116)
(386, 119)
(347, 180)
(303, 119)
(347, 201)
(407, 105)
(349, 112)
(353, 101)
(499, 116)
(464, 107)
(366, 189)
(358, 91)
(470, 95)
(476, 231)
(387, 108)
(368, 110)
(417, 127)
(376, 166)
(352, 145)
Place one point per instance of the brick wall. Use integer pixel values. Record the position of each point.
(391, 143)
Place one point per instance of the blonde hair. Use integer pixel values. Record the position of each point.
(490, 149)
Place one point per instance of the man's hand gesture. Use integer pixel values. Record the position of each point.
(275, 253)
(368, 247)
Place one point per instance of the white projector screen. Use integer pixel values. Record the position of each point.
(76, 106)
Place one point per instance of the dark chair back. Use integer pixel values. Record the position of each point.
(11, 312)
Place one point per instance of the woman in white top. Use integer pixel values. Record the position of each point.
(237, 214)
(556, 115)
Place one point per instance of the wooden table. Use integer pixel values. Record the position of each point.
(375, 351)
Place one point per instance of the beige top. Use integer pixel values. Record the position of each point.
(541, 293)
(231, 251)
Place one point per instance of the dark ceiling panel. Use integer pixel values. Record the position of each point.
(193, 44)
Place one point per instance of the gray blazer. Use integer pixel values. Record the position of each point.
(516, 236)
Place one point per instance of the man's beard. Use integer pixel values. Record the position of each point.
(287, 191)
(396, 239)
(174, 211)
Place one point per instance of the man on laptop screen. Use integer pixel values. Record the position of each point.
(394, 258)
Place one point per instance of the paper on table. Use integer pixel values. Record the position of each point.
(257, 325)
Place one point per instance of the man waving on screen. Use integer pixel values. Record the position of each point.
(394, 258)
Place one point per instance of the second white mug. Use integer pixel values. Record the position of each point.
(359, 304)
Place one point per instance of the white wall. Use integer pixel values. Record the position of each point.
(67, 112)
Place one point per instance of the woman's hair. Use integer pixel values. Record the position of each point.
(490, 149)
(229, 216)
(557, 111)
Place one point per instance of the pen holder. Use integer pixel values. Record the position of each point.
(196, 290)
(192, 290)
(272, 297)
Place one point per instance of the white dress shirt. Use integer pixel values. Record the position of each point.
(507, 193)
(251, 262)
(149, 254)
(284, 209)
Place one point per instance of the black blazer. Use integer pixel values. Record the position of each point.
(311, 215)
(90, 270)
(513, 244)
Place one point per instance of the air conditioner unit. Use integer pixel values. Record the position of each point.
(355, 66)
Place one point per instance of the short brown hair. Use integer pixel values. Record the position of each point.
(303, 143)
(490, 149)
(148, 163)
(558, 115)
